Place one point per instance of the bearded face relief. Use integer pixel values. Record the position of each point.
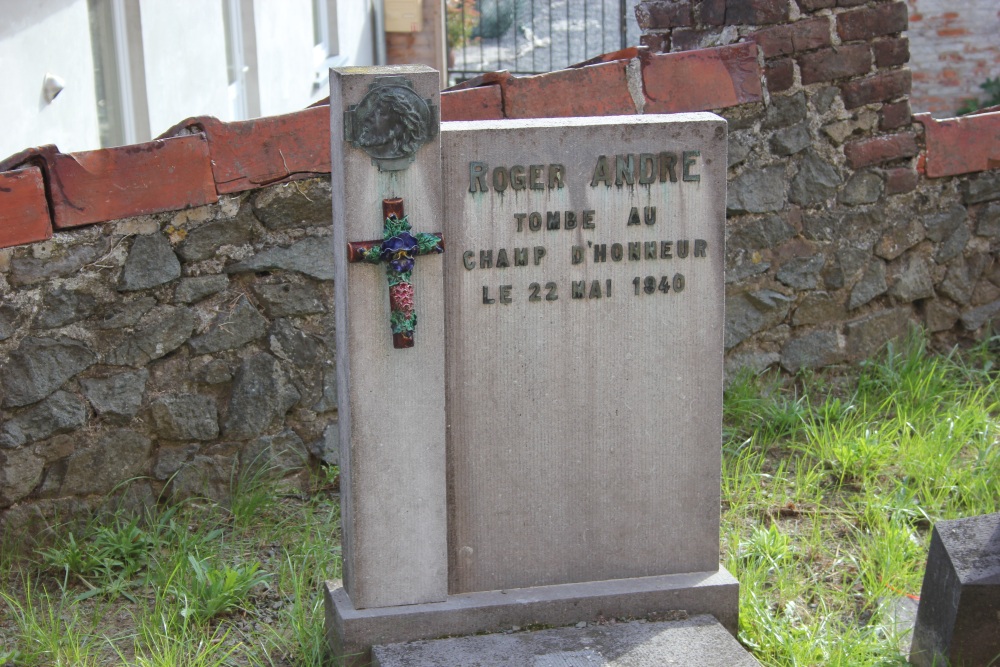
(391, 123)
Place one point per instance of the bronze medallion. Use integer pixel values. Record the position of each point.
(391, 122)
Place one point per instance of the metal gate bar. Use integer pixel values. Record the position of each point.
(533, 36)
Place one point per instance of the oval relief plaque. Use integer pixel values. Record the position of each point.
(391, 123)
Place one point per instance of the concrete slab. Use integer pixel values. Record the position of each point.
(700, 641)
(352, 632)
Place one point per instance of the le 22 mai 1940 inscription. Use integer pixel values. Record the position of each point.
(629, 170)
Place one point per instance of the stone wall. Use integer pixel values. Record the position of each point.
(165, 312)
(836, 242)
(178, 349)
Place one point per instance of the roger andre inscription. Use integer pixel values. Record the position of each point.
(657, 258)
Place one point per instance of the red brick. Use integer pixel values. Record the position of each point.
(900, 180)
(895, 115)
(872, 22)
(756, 12)
(483, 103)
(835, 63)
(24, 212)
(961, 145)
(813, 5)
(662, 14)
(711, 12)
(112, 183)
(881, 87)
(891, 52)
(628, 53)
(776, 41)
(596, 90)
(250, 153)
(726, 76)
(780, 75)
(811, 34)
(876, 150)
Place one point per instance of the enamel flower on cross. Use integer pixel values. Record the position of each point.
(398, 250)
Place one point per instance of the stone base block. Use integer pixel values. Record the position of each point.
(699, 641)
(352, 632)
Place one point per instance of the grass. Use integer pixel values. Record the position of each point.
(831, 482)
(194, 585)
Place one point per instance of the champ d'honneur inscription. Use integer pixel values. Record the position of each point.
(584, 319)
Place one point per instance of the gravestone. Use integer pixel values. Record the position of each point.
(958, 620)
(548, 451)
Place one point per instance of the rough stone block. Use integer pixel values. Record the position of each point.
(39, 366)
(160, 332)
(867, 336)
(958, 620)
(293, 205)
(151, 262)
(863, 187)
(312, 256)
(231, 329)
(981, 188)
(900, 180)
(815, 181)
(758, 191)
(785, 110)
(812, 350)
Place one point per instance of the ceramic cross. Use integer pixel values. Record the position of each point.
(398, 249)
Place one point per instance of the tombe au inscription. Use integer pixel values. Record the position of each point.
(624, 170)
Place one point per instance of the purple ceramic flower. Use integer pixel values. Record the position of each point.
(398, 251)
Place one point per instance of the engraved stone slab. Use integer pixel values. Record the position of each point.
(391, 413)
(584, 305)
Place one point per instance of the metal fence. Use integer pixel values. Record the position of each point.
(533, 36)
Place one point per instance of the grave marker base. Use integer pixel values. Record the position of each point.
(352, 632)
(699, 641)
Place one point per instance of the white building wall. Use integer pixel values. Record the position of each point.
(37, 37)
(285, 62)
(184, 48)
(184, 63)
(356, 29)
